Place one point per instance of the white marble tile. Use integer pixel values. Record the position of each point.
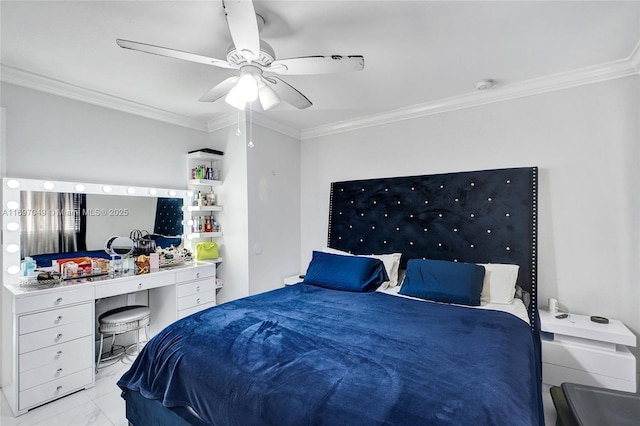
(6, 416)
(107, 378)
(88, 414)
(113, 406)
(47, 411)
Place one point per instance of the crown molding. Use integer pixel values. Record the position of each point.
(588, 75)
(258, 119)
(56, 87)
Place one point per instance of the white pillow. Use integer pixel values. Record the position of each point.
(391, 264)
(390, 261)
(336, 251)
(499, 283)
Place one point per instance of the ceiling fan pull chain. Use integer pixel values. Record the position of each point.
(238, 132)
(250, 127)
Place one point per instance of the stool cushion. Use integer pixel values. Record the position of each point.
(124, 314)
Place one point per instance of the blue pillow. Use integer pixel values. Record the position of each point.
(350, 273)
(442, 281)
(166, 242)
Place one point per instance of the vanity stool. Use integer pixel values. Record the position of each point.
(122, 320)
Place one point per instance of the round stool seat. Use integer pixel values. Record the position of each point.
(126, 318)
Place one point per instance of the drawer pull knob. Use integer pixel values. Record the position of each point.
(197, 274)
(59, 318)
(58, 372)
(198, 300)
(59, 388)
(59, 336)
(58, 300)
(197, 288)
(58, 354)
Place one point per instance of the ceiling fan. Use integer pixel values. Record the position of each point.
(253, 58)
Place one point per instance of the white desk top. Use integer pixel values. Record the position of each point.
(17, 290)
(582, 326)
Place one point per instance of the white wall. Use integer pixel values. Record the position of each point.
(51, 137)
(585, 140)
(260, 220)
(232, 196)
(274, 209)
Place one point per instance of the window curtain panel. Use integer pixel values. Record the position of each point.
(52, 222)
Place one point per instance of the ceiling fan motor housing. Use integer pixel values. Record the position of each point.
(266, 57)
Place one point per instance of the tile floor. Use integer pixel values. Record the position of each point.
(103, 406)
(100, 405)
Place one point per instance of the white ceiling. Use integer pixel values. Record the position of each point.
(416, 52)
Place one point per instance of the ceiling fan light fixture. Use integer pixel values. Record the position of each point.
(248, 87)
(268, 97)
(234, 99)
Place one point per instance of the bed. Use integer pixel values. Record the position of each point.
(346, 345)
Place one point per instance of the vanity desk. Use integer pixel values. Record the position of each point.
(50, 339)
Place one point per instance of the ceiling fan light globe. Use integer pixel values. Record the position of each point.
(268, 97)
(248, 87)
(235, 99)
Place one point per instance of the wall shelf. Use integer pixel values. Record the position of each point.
(205, 235)
(195, 209)
(205, 182)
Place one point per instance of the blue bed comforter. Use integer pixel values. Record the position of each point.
(310, 355)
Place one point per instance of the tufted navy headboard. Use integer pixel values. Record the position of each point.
(487, 216)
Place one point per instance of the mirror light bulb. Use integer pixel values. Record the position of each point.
(13, 269)
(12, 248)
(13, 226)
(13, 184)
(13, 205)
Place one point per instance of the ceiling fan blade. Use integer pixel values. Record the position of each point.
(317, 65)
(172, 53)
(243, 26)
(220, 90)
(289, 94)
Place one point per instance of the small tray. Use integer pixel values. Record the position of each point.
(35, 284)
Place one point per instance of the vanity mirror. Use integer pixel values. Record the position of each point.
(109, 210)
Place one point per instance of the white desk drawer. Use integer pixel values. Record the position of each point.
(75, 349)
(56, 299)
(196, 287)
(62, 368)
(55, 389)
(53, 336)
(55, 317)
(196, 299)
(137, 283)
(186, 312)
(620, 364)
(196, 272)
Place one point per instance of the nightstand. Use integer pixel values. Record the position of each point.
(294, 279)
(578, 350)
